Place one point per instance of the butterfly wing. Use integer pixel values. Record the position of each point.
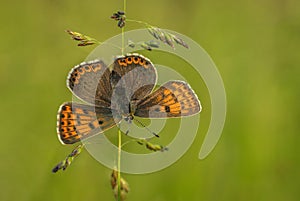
(172, 99)
(91, 83)
(136, 74)
(77, 121)
(132, 77)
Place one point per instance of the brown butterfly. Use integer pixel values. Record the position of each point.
(120, 92)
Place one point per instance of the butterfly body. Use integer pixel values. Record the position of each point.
(119, 93)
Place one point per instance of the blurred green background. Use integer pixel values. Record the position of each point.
(255, 45)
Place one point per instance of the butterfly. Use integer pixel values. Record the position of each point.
(119, 92)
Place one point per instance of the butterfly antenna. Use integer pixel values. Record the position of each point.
(128, 128)
(146, 128)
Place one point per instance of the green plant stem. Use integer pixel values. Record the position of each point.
(119, 131)
(123, 41)
(119, 163)
(140, 22)
(123, 30)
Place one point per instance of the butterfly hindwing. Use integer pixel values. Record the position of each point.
(172, 99)
(77, 121)
(91, 83)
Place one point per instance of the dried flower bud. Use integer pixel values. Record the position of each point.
(169, 40)
(123, 184)
(131, 44)
(180, 42)
(120, 17)
(166, 37)
(66, 163)
(83, 39)
(58, 167)
(156, 147)
(152, 147)
(121, 23)
(76, 151)
(146, 46)
(153, 32)
(121, 12)
(153, 44)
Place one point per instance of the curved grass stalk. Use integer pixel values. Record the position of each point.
(140, 22)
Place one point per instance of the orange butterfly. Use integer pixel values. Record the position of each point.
(120, 92)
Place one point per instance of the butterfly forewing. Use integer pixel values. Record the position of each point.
(136, 74)
(79, 121)
(91, 83)
(132, 77)
(172, 99)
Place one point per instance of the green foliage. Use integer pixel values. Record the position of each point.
(255, 45)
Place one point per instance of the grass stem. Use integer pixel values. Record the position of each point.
(119, 163)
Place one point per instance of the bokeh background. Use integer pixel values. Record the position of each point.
(255, 45)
